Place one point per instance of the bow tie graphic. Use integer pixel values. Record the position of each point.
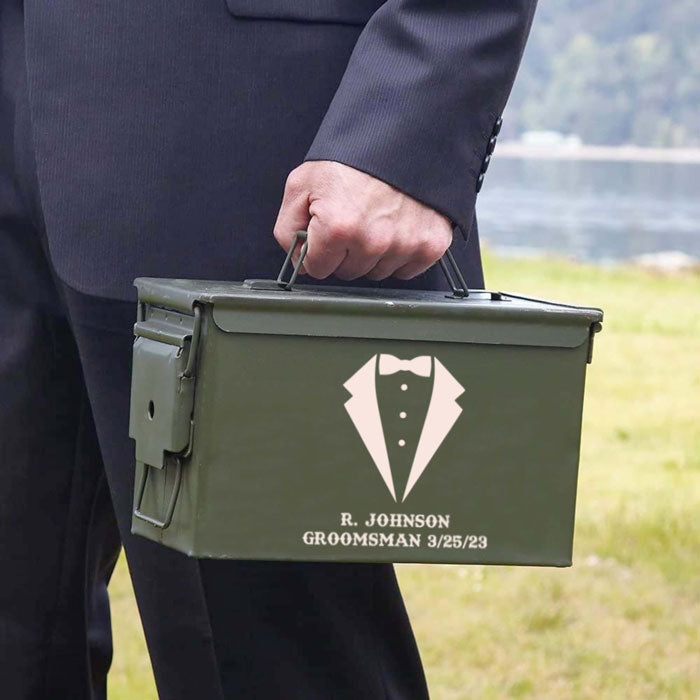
(388, 364)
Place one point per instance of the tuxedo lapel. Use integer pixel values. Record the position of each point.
(442, 413)
(363, 409)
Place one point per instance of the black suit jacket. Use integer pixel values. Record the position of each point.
(164, 130)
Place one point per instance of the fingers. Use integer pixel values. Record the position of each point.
(364, 252)
(405, 263)
(429, 252)
(358, 225)
(294, 214)
(350, 251)
(373, 255)
(327, 249)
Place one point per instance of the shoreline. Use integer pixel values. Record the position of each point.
(669, 262)
(516, 149)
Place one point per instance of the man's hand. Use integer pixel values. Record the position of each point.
(358, 225)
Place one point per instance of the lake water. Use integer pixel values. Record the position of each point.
(590, 210)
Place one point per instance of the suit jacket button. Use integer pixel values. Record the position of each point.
(492, 145)
(497, 126)
(485, 164)
(479, 182)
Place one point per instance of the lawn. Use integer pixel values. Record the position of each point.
(624, 621)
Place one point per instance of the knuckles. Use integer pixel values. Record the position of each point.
(295, 183)
(376, 244)
(343, 229)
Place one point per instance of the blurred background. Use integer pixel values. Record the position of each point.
(599, 156)
(592, 197)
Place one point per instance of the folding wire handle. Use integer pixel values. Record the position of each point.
(460, 292)
(300, 236)
(170, 509)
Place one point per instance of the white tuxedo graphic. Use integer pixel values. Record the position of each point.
(363, 409)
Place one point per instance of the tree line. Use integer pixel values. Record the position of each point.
(612, 72)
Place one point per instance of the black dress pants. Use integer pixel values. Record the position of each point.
(232, 629)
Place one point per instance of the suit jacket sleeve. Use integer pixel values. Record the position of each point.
(421, 94)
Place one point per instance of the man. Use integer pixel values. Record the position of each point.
(145, 137)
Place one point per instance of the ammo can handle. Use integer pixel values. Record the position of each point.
(460, 292)
(300, 236)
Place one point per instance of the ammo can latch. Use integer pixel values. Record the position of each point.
(162, 397)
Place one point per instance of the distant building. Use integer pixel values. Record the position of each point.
(550, 139)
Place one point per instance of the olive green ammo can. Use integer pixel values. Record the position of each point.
(345, 424)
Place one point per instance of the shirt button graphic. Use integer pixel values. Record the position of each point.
(404, 387)
(402, 414)
(402, 443)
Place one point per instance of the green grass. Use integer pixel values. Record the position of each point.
(624, 622)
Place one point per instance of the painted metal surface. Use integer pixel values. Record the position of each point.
(345, 424)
